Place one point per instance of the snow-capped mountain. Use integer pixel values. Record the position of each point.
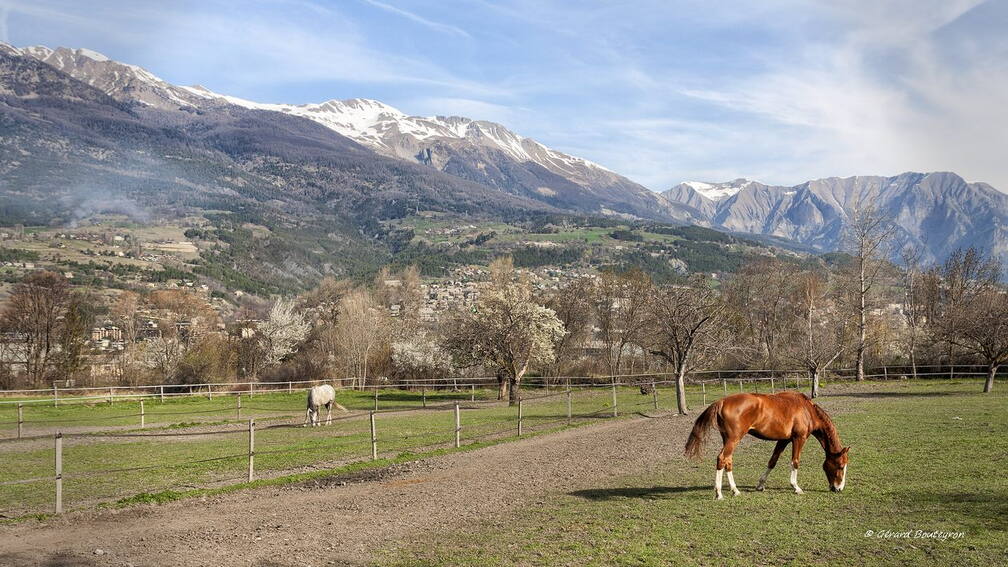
(703, 197)
(938, 212)
(121, 81)
(718, 191)
(478, 150)
(475, 150)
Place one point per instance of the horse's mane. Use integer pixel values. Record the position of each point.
(827, 428)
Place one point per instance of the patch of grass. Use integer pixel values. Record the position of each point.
(184, 460)
(923, 458)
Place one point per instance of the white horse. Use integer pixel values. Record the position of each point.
(324, 395)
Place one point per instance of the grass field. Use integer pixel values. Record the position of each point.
(173, 452)
(924, 456)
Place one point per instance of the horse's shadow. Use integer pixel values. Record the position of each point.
(645, 493)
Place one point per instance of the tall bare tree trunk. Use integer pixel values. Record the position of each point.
(680, 387)
(989, 383)
(862, 322)
(814, 378)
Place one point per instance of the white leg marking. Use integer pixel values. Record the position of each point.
(731, 483)
(717, 484)
(794, 480)
(762, 480)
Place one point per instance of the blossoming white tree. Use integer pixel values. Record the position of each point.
(506, 330)
(281, 332)
(418, 356)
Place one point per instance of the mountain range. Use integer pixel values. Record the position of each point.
(935, 212)
(78, 127)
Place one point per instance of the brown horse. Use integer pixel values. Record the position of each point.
(786, 417)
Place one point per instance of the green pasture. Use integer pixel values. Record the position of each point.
(167, 457)
(926, 458)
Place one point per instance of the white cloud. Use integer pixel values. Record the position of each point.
(437, 26)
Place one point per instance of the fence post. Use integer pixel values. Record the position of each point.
(20, 420)
(725, 384)
(251, 453)
(654, 394)
(55, 395)
(519, 417)
(59, 472)
(614, 412)
(569, 412)
(251, 389)
(740, 385)
(771, 385)
(162, 394)
(458, 426)
(141, 414)
(756, 385)
(885, 372)
(209, 392)
(472, 393)
(376, 398)
(374, 440)
(423, 392)
(703, 388)
(290, 387)
(238, 408)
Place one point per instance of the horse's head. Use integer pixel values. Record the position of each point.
(835, 466)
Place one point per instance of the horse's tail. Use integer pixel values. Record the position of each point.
(703, 424)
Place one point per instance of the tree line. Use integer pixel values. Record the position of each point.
(772, 314)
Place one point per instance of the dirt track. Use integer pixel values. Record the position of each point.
(343, 521)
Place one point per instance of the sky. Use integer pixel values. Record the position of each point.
(780, 91)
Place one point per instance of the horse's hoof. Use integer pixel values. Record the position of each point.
(736, 493)
(798, 491)
(760, 488)
(719, 497)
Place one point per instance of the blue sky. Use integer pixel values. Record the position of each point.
(663, 91)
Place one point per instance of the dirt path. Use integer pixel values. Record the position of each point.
(343, 521)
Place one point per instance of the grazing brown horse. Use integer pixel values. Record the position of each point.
(786, 417)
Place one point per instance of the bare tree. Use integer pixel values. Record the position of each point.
(969, 308)
(508, 331)
(573, 306)
(913, 301)
(362, 325)
(34, 315)
(759, 294)
(686, 325)
(73, 333)
(820, 332)
(325, 298)
(124, 314)
(867, 235)
(620, 305)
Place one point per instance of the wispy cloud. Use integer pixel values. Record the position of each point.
(419, 19)
(659, 90)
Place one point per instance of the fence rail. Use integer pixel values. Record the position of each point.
(162, 391)
(453, 435)
(596, 398)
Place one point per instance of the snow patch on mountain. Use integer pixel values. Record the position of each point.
(718, 191)
(378, 125)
